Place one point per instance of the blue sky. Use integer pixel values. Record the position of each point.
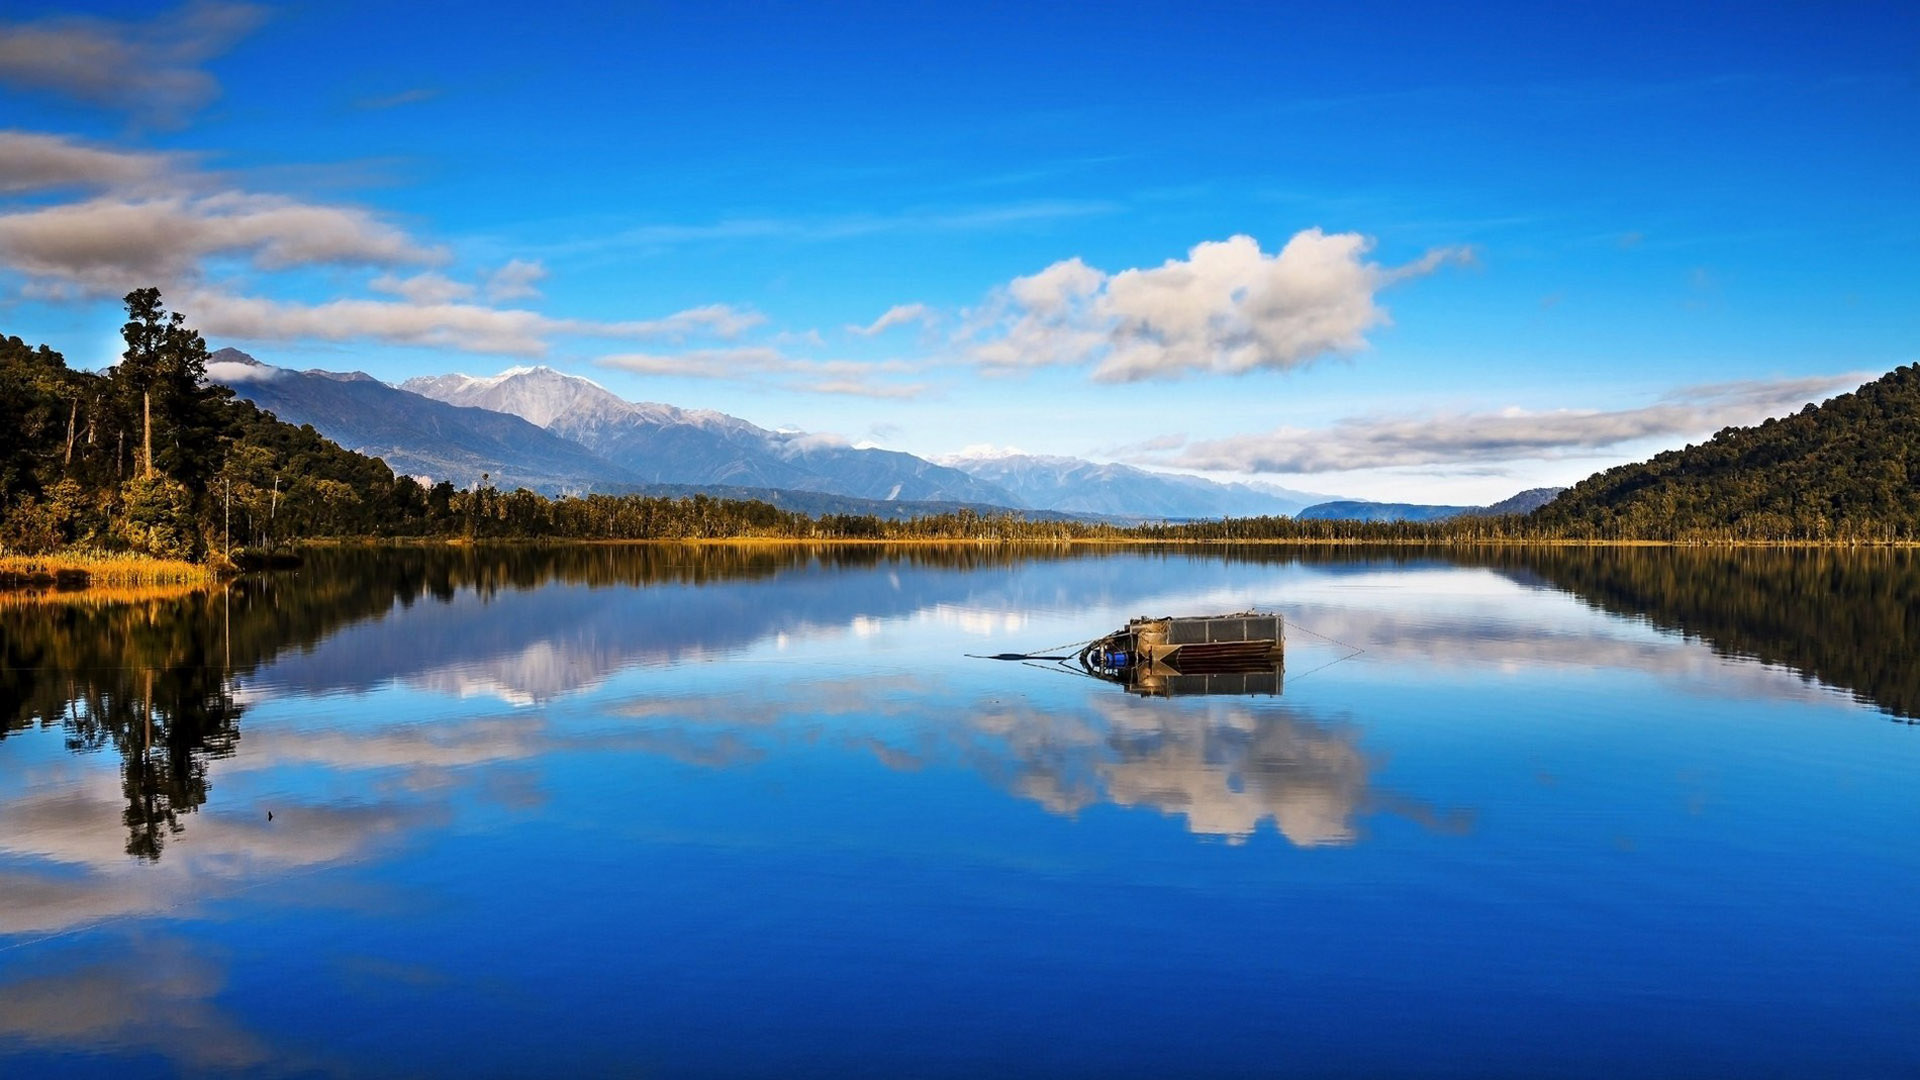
(1520, 244)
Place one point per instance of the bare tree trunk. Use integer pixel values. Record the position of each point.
(73, 418)
(146, 438)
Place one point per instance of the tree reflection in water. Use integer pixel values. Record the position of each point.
(153, 676)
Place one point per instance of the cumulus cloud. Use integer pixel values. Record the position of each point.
(30, 161)
(897, 315)
(1227, 308)
(109, 244)
(1463, 438)
(1044, 319)
(152, 69)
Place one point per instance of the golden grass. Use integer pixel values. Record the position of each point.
(92, 596)
(101, 570)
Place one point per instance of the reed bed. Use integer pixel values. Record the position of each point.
(92, 596)
(101, 570)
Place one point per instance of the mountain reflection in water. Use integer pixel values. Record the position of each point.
(154, 681)
(590, 810)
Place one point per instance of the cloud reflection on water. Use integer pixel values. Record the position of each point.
(1224, 767)
(154, 996)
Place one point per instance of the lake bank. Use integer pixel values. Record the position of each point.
(100, 570)
(74, 571)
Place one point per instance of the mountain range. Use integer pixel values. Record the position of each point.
(1525, 502)
(419, 436)
(1074, 485)
(557, 433)
(663, 444)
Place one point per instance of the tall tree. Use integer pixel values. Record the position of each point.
(140, 367)
(164, 372)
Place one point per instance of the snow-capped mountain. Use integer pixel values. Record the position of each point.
(417, 435)
(669, 445)
(555, 432)
(1078, 486)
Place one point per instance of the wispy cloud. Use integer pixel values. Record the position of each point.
(846, 226)
(393, 101)
(1227, 308)
(30, 161)
(111, 243)
(897, 315)
(136, 219)
(519, 279)
(423, 321)
(430, 287)
(151, 69)
(1513, 434)
(760, 362)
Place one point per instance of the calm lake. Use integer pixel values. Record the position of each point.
(679, 811)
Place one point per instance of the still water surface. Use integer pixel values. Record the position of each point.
(719, 812)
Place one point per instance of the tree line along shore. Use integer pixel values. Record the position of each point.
(147, 473)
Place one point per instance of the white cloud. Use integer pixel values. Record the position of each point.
(30, 162)
(110, 244)
(153, 219)
(517, 280)
(980, 452)
(151, 69)
(701, 363)
(967, 219)
(708, 320)
(749, 362)
(1463, 438)
(426, 288)
(228, 373)
(1228, 308)
(473, 327)
(859, 388)
(897, 315)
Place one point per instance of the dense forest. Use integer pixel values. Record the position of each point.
(148, 457)
(1847, 470)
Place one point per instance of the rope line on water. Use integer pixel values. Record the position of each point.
(1356, 651)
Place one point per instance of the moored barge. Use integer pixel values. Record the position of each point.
(1242, 653)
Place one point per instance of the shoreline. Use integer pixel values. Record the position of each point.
(75, 570)
(72, 572)
(1102, 541)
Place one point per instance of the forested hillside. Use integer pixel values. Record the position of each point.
(1845, 470)
(149, 457)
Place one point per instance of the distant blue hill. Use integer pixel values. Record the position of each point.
(1360, 510)
(1357, 510)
